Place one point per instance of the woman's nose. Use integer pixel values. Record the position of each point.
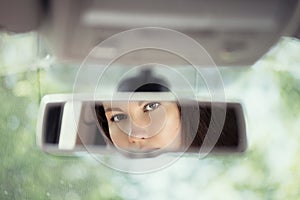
(141, 124)
(135, 141)
(139, 119)
(137, 131)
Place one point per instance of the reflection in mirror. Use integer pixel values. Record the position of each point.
(136, 126)
(141, 125)
(149, 126)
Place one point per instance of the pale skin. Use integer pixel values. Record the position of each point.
(144, 126)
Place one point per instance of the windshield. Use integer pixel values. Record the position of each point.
(269, 169)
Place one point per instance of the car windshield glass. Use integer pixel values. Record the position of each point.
(269, 169)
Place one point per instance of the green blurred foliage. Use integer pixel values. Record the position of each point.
(290, 92)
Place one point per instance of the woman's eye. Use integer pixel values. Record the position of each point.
(118, 117)
(151, 106)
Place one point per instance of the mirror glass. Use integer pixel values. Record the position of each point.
(140, 126)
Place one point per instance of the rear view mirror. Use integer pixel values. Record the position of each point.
(145, 126)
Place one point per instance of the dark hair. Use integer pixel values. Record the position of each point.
(100, 113)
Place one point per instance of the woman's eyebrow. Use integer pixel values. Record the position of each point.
(113, 109)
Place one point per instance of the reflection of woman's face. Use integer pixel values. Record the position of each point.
(144, 126)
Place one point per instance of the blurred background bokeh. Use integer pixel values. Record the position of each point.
(269, 169)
